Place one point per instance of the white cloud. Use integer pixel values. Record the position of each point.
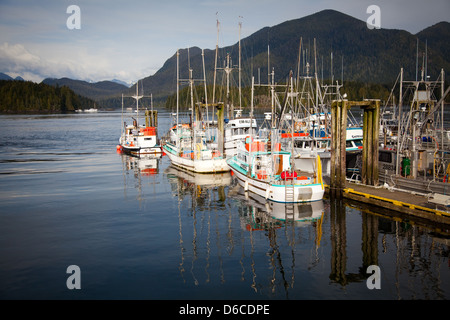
(72, 62)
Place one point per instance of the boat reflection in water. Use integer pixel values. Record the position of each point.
(144, 170)
(225, 237)
(297, 214)
(145, 164)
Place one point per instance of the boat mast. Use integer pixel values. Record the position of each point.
(442, 108)
(215, 63)
(240, 97)
(178, 93)
(400, 107)
(206, 91)
(137, 97)
(123, 126)
(193, 120)
(298, 64)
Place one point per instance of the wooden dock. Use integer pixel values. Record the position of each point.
(405, 202)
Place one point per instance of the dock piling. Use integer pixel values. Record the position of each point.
(371, 128)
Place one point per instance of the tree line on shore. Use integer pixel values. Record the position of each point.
(28, 97)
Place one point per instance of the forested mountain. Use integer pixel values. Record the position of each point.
(30, 97)
(345, 49)
(97, 91)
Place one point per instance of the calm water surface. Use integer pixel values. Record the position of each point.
(141, 229)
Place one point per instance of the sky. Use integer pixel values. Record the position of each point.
(130, 40)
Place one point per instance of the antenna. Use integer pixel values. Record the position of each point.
(426, 59)
(417, 58)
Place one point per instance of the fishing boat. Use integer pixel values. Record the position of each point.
(187, 145)
(137, 139)
(269, 173)
(414, 156)
(263, 167)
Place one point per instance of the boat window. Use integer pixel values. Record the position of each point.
(323, 144)
(358, 143)
(348, 144)
(385, 157)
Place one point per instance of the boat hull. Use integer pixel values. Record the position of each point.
(136, 151)
(276, 191)
(214, 165)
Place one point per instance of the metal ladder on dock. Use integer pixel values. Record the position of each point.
(289, 199)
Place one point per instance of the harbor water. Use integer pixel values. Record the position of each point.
(141, 229)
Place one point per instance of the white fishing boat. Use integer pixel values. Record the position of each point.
(187, 146)
(139, 139)
(269, 173)
(192, 153)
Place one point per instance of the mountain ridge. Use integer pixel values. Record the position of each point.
(359, 54)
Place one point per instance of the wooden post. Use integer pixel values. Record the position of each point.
(338, 144)
(220, 126)
(369, 159)
(151, 118)
(376, 136)
(333, 150)
(364, 152)
(371, 128)
(343, 144)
